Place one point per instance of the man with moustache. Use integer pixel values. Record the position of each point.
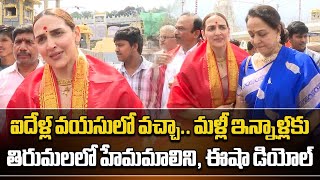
(188, 36)
(26, 54)
(6, 56)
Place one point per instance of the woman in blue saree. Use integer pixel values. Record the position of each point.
(276, 76)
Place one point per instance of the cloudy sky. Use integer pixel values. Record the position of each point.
(241, 7)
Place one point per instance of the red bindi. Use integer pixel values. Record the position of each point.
(45, 28)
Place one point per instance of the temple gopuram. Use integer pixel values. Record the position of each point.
(16, 12)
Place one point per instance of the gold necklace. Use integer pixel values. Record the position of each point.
(268, 59)
(64, 82)
(66, 91)
(67, 84)
(220, 60)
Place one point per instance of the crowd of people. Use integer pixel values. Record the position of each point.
(198, 66)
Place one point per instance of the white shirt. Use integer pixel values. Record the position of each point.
(10, 79)
(173, 68)
(314, 55)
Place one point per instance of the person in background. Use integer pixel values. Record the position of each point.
(276, 76)
(235, 42)
(6, 42)
(188, 36)
(298, 37)
(209, 76)
(26, 54)
(69, 79)
(250, 48)
(167, 42)
(286, 41)
(167, 39)
(134, 67)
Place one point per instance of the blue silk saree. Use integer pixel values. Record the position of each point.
(292, 80)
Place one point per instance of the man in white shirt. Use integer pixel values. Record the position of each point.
(298, 37)
(26, 55)
(188, 36)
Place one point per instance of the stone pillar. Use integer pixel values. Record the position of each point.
(21, 13)
(58, 3)
(1, 13)
(45, 4)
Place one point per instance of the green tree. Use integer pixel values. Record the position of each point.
(121, 13)
(169, 20)
(87, 14)
(76, 15)
(129, 10)
(140, 9)
(113, 13)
